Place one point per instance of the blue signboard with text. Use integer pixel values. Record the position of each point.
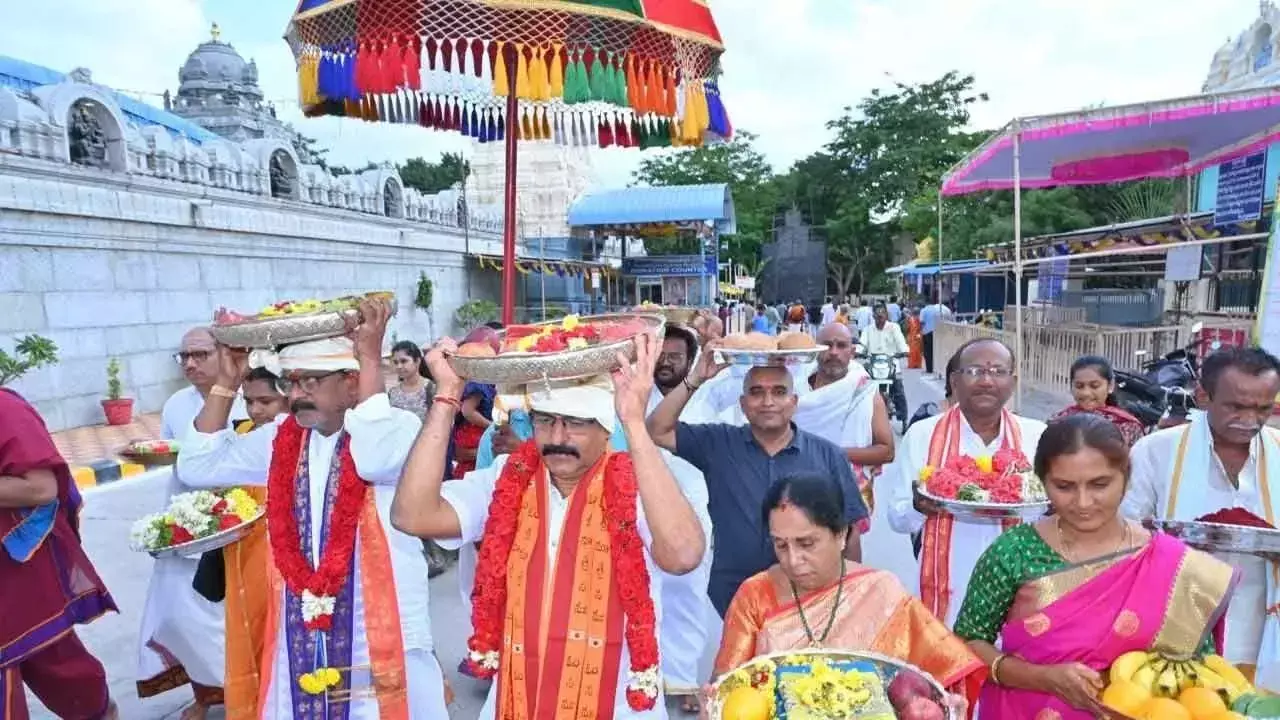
(670, 266)
(1241, 188)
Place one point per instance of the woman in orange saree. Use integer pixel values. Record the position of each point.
(915, 341)
(814, 598)
(1071, 593)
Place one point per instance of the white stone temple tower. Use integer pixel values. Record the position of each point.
(549, 178)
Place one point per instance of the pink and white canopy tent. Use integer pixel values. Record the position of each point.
(1163, 139)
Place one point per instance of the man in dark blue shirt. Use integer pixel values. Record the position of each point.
(740, 462)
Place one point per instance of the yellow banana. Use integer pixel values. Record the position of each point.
(1187, 676)
(1127, 665)
(1167, 682)
(1145, 677)
(1229, 672)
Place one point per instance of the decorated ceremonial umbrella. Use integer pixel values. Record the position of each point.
(606, 73)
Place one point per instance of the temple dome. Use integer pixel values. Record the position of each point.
(217, 62)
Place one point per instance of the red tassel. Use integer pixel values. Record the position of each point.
(446, 49)
(429, 113)
(361, 72)
(492, 49)
(392, 66)
(431, 53)
(624, 137)
(670, 106)
(606, 133)
(424, 112)
(477, 57)
(461, 47)
(564, 62)
(413, 64)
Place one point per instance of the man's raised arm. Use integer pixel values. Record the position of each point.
(418, 508)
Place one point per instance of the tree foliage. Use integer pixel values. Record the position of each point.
(429, 177)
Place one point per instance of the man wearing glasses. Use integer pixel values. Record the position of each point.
(198, 357)
(977, 424)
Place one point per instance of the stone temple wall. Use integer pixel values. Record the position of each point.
(109, 264)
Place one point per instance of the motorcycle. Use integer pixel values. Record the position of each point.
(883, 370)
(1164, 391)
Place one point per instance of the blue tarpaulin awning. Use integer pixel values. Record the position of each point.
(656, 205)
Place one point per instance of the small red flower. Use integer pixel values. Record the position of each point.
(180, 534)
(226, 522)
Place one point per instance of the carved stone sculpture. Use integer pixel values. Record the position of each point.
(87, 143)
(281, 182)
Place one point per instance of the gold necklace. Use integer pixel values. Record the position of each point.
(1068, 554)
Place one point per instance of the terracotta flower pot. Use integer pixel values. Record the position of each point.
(118, 412)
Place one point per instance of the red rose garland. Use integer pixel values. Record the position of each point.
(489, 597)
(317, 587)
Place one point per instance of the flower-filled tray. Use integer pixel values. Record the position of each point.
(572, 347)
(985, 487)
(151, 452)
(196, 522)
(827, 685)
(291, 321)
(1234, 530)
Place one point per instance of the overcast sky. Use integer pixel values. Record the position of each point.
(789, 66)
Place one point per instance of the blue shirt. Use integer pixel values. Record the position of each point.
(928, 319)
(738, 473)
(760, 323)
(895, 312)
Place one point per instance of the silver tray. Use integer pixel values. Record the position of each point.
(200, 546)
(885, 666)
(680, 315)
(1219, 537)
(287, 329)
(967, 510)
(771, 358)
(520, 368)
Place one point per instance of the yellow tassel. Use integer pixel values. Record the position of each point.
(546, 125)
(538, 82)
(704, 113)
(500, 80)
(306, 86)
(526, 130)
(556, 88)
(689, 125)
(522, 75)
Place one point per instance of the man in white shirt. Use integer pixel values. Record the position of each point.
(895, 310)
(351, 629)
(828, 313)
(1225, 458)
(570, 626)
(882, 337)
(863, 316)
(182, 635)
(977, 424)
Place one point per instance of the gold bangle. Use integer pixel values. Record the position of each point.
(219, 391)
(995, 668)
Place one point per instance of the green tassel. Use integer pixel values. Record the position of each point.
(665, 133)
(570, 82)
(599, 86)
(620, 76)
(581, 83)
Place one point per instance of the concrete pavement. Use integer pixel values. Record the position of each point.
(111, 509)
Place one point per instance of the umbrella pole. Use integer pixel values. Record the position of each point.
(509, 190)
(1017, 263)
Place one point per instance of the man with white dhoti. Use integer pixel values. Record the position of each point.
(1225, 458)
(182, 638)
(977, 424)
(568, 605)
(348, 632)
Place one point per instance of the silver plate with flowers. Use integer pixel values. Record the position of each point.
(1221, 537)
(828, 685)
(970, 496)
(200, 546)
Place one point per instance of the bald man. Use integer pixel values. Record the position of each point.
(198, 356)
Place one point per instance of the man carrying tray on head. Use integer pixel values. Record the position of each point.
(348, 629)
(567, 605)
(1225, 458)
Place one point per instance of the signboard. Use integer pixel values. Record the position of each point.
(670, 266)
(1240, 189)
(1182, 264)
(1267, 330)
(745, 282)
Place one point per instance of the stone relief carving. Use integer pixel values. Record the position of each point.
(87, 142)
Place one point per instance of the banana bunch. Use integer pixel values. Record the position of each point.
(1168, 677)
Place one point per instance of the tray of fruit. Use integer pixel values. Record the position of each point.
(151, 452)
(572, 347)
(673, 313)
(827, 685)
(291, 321)
(196, 522)
(986, 487)
(1142, 684)
(760, 350)
(1232, 530)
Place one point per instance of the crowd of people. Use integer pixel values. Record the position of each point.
(611, 529)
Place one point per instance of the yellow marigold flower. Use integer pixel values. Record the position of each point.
(926, 472)
(984, 463)
(570, 322)
(310, 684)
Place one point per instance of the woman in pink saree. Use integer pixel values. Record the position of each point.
(1071, 593)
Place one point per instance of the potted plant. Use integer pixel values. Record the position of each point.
(426, 292)
(119, 410)
(31, 352)
(475, 313)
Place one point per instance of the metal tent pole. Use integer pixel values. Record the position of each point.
(1017, 262)
(509, 189)
(937, 285)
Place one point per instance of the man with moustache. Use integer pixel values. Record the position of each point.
(182, 635)
(977, 424)
(348, 618)
(1225, 457)
(883, 337)
(568, 604)
(740, 462)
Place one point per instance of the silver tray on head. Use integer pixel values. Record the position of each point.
(514, 368)
(966, 510)
(200, 546)
(1219, 537)
(886, 667)
(679, 315)
(771, 358)
(287, 329)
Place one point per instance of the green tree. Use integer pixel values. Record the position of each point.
(429, 177)
(751, 180)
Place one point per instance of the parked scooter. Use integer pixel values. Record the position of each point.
(1164, 392)
(883, 370)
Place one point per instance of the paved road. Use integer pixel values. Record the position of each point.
(110, 510)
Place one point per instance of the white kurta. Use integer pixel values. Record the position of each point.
(175, 617)
(1153, 459)
(969, 539)
(470, 498)
(380, 440)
